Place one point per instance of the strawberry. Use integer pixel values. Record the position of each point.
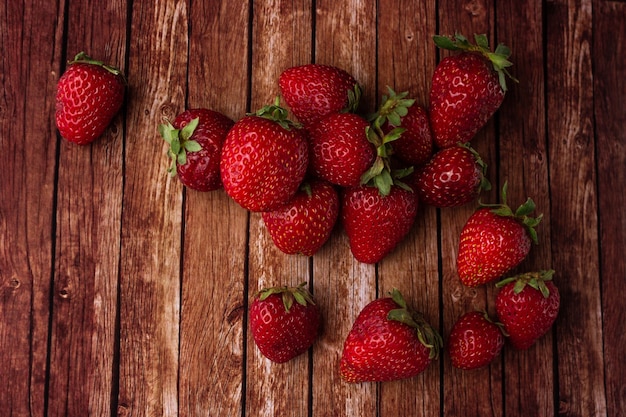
(264, 159)
(495, 240)
(305, 223)
(314, 91)
(453, 177)
(283, 329)
(527, 305)
(339, 150)
(467, 88)
(376, 223)
(474, 341)
(388, 341)
(195, 143)
(89, 94)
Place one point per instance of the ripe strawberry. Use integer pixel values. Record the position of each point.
(89, 94)
(527, 305)
(305, 223)
(339, 151)
(314, 91)
(195, 141)
(283, 329)
(467, 88)
(264, 159)
(453, 177)
(388, 341)
(474, 341)
(376, 223)
(494, 240)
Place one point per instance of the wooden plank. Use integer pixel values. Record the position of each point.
(213, 286)
(609, 26)
(406, 60)
(574, 224)
(281, 38)
(28, 82)
(151, 236)
(344, 37)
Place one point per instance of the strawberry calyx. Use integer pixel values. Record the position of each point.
(484, 182)
(180, 142)
(276, 113)
(298, 294)
(521, 214)
(354, 99)
(427, 336)
(536, 280)
(83, 58)
(498, 58)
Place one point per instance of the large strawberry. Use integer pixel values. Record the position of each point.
(495, 240)
(453, 177)
(388, 341)
(313, 91)
(467, 88)
(284, 321)
(527, 305)
(264, 159)
(195, 144)
(474, 341)
(305, 223)
(89, 94)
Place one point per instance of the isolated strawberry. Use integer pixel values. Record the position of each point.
(195, 144)
(339, 150)
(314, 91)
(89, 94)
(264, 159)
(388, 341)
(453, 177)
(474, 341)
(284, 321)
(467, 88)
(495, 240)
(305, 223)
(527, 305)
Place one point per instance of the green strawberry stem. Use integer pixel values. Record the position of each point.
(276, 113)
(425, 333)
(484, 182)
(498, 58)
(180, 142)
(83, 58)
(536, 280)
(298, 294)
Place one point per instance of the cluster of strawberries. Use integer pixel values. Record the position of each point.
(368, 172)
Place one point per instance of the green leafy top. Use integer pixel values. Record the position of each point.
(276, 113)
(180, 142)
(536, 280)
(499, 58)
(298, 294)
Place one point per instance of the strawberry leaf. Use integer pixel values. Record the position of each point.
(192, 146)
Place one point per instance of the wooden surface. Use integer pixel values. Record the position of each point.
(122, 293)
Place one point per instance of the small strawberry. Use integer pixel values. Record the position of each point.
(388, 341)
(474, 341)
(264, 159)
(495, 240)
(467, 88)
(195, 144)
(305, 223)
(314, 91)
(453, 177)
(283, 329)
(89, 94)
(527, 305)
(339, 150)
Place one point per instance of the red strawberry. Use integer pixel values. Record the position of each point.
(264, 160)
(283, 329)
(305, 223)
(467, 88)
(388, 341)
(474, 341)
(527, 305)
(339, 149)
(314, 91)
(376, 223)
(453, 177)
(89, 94)
(195, 141)
(495, 240)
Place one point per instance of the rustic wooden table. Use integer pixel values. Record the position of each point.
(122, 293)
